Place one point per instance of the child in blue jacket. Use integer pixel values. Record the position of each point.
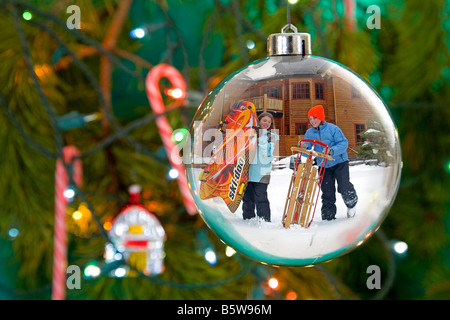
(255, 195)
(336, 170)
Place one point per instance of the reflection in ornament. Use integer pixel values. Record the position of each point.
(287, 84)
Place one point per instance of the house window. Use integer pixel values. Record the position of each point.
(300, 128)
(300, 90)
(358, 129)
(274, 92)
(319, 91)
(355, 93)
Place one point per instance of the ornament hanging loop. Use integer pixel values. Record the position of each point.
(289, 26)
(289, 43)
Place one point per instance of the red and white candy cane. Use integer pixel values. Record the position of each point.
(349, 12)
(60, 237)
(165, 131)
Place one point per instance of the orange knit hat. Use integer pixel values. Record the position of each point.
(317, 111)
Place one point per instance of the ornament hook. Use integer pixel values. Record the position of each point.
(288, 17)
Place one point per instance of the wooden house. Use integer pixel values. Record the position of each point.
(290, 99)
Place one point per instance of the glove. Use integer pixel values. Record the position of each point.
(304, 145)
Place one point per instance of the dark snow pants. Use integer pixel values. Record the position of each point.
(340, 174)
(255, 196)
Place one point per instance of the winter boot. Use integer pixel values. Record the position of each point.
(351, 212)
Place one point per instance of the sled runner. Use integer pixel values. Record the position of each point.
(305, 183)
(226, 175)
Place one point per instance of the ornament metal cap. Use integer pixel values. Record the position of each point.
(293, 43)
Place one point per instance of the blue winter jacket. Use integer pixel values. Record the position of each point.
(333, 136)
(262, 162)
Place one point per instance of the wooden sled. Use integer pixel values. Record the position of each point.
(305, 183)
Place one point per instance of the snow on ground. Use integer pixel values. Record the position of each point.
(322, 237)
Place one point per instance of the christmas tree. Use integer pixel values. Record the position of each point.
(73, 73)
(375, 146)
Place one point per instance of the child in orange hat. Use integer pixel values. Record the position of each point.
(336, 170)
(317, 112)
